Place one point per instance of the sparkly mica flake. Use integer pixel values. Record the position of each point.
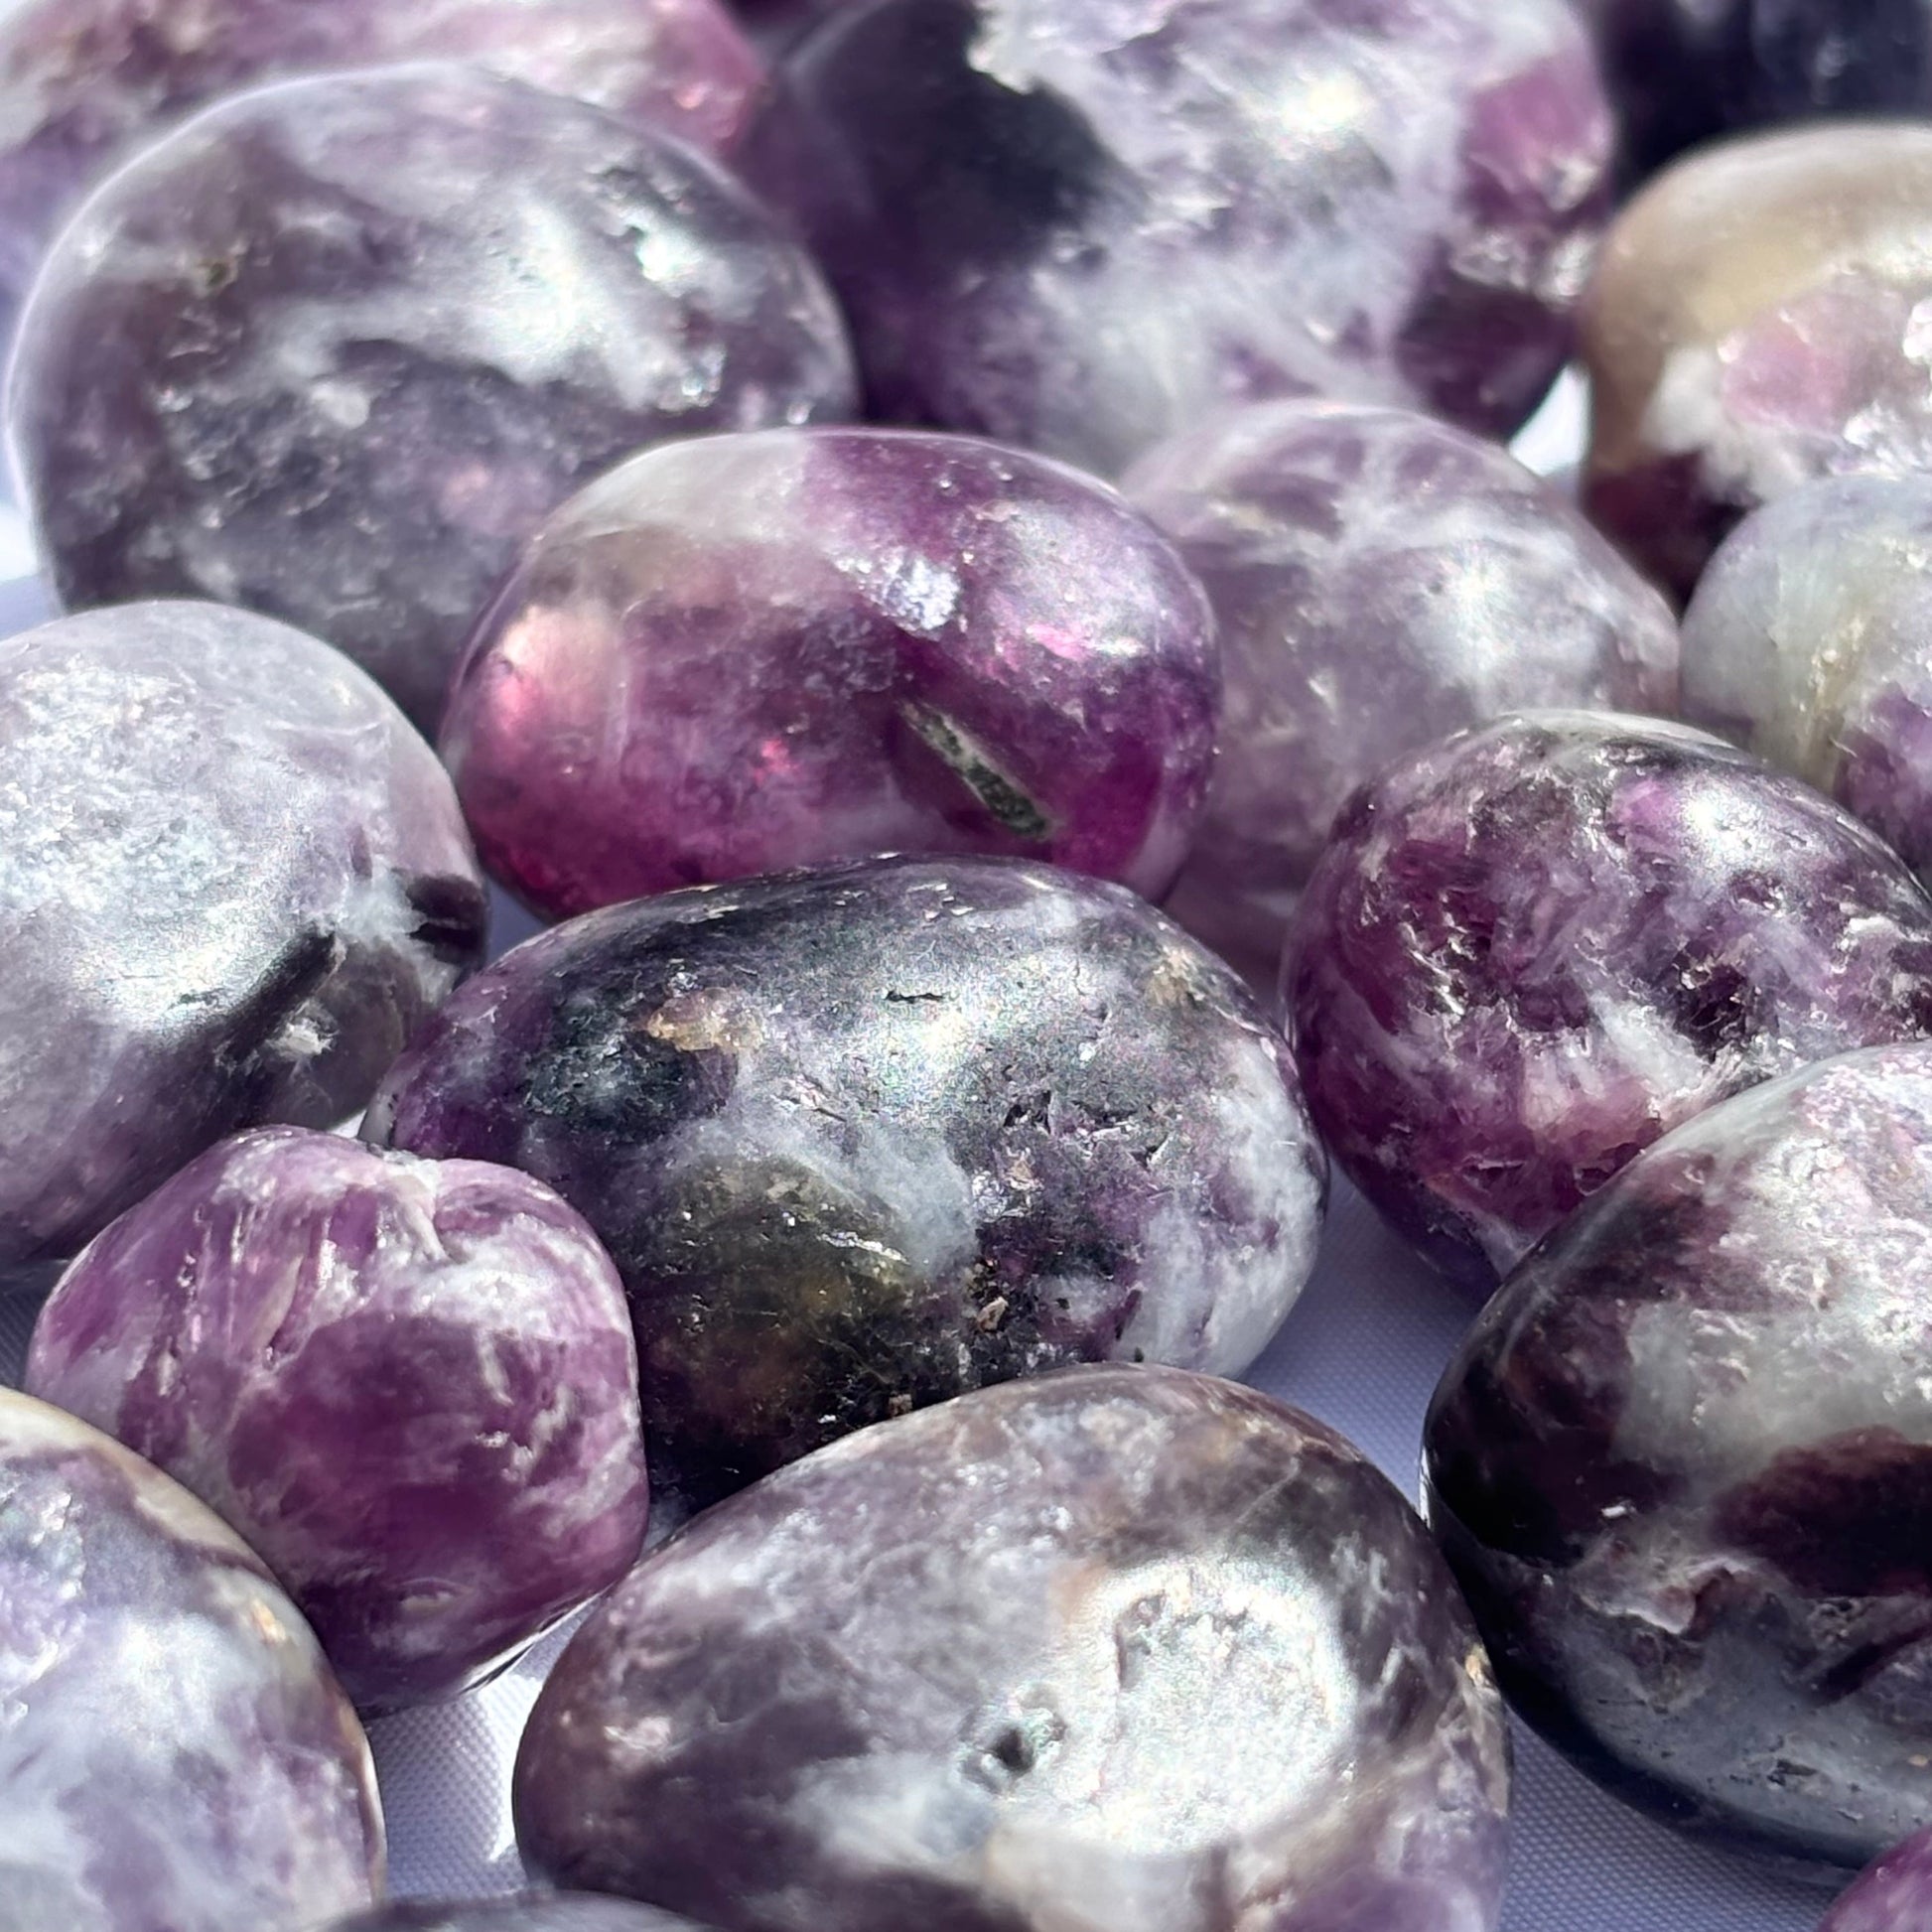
(1122, 1650)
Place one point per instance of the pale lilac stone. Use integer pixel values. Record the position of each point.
(1124, 1650)
(741, 654)
(1380, 578)
(174, 1755)
(1074, 225)
(1535, 948)
(335, 348)
(410, 1386)
(531, 1912)
(232, 882)
(1895, 1895)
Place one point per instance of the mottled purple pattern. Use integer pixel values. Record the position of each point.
(1684, 1469)
(1380, 578)
(1126, 1650)
(531, 1912)
(410, 1386)
(746, 653)
(1074, 225)
(1537, 947)
(232, 882)
(1895, 1895)
(334, 349)
(863, 1139)
(174, 1754)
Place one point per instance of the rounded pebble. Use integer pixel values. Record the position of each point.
(531, 1912)
(1895, 1895)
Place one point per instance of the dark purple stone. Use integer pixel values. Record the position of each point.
(1895, 1895)
(1534, 948)
(531, 1912)
(409, 1385)
(1684, 1469)
(1123, 1650)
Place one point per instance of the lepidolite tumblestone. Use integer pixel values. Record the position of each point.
(232, 882)
(1533, 949)
(739, 654)
(1895, 1895)
(410, 1386)
(1074, 225)
(1380, 578)
(1684, 1469)
(1759, 319)
(334, 349)
(1124, 1650)
(174, 1754)
(862, 1139)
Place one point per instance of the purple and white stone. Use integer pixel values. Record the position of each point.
(232, 882)
(1683, 1468)
(1124, 1650)
(336, 347)
(531, 1912)
(1894, 1895)
(1076, 224)
(1380, 578)
(174, 1754)
(1759, 319)
(1535, 948)
(741, 655)
(863, 1139)
(1810, 642)
(410, 1386)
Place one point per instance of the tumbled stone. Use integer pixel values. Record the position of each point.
(174, 1754)
(739, 654)
(1895, 1895)
(532, 1913)
(334, 349)
(865, 1138)
(410, 1386)
(1126, 1650)
(1533, 949)
(1380, 578)
(1074, 225)
(232, 882)
(1684, 1469)
(1759, 318)
(1810, 641)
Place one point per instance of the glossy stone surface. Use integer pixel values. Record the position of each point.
(334, 349)
(409, 1386)
(174, 1754)
(531, 1912)
(1533, 949)
(862, 1139)
(1380, 578)
(1684, 1467)
(1126, 1650)
(746, 653)
(1759, 319)
(1895, 1895)
(1076, 224)
(232, 882)
(1810, 641)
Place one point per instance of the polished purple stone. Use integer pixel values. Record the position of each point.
(409, 1385)
(174, 1754)
(745, 653)
(1380, 578)
(1124, 1650)
(1074, 225)
(1684, 1469)
(866, 1138)
(531, 1912)
(1533, 949)
(233, 883)
(334, 349)
(1895, 1895)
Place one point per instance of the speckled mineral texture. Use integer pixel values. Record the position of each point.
(1074, 225)
(174, 1755)
(334, 351)
(1120, 1651)
(863, 1139)
(1810, 641)
(1895, 1895)
(1535, 948)
(1759, 318)
(410, 1386)
(1684, 1469)
(232, 882)
(531, 1912)
(1380, 578)
(739, 654)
